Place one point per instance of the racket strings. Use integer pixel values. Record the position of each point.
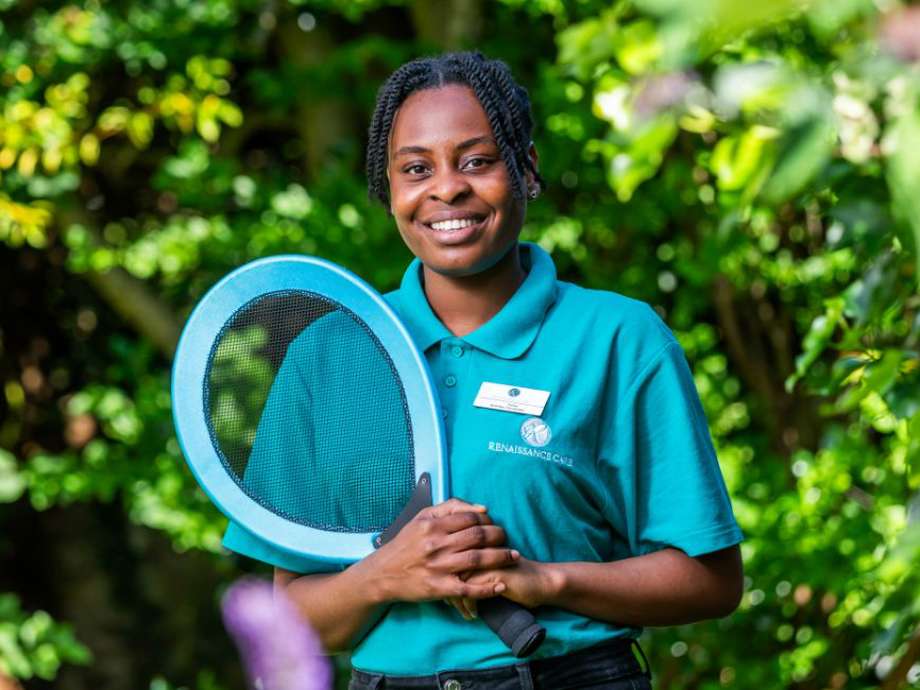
(300, 397)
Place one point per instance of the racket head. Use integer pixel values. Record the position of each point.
(296, 275)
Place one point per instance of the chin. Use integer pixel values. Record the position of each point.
(464, 264)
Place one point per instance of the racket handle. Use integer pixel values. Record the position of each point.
(515, 626)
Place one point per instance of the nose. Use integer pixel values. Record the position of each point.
(448, 185)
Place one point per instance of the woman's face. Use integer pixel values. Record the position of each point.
(450, 192)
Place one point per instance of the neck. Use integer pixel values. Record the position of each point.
(465, 303)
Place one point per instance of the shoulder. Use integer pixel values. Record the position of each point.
(624, 335)
(611, 315)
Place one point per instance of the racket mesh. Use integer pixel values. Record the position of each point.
(308, 414)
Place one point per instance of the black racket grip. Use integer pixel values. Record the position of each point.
(515, 626)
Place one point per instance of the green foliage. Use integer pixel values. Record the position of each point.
(35, 645)
(802, 141)
(748, 168)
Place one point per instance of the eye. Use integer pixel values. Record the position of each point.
(415, 169)
(477, 162)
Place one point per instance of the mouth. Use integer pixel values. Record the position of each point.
(455, 230)
(451, 225)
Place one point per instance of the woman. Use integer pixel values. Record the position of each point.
(602, 506)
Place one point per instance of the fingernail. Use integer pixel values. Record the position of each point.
(499, 588)
(515, 554)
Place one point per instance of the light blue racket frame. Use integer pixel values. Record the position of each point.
(190, 367)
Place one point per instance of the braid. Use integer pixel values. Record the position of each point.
(389, 97)
(520, 117)
(497, 111)
(506, 106)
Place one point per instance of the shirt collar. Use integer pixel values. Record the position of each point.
(508, 334)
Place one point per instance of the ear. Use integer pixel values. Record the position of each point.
(532, 154)
(534, 159)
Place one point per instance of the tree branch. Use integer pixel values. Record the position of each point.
(135, 303)
(129, 297)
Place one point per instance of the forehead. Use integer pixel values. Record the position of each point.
(439, 117)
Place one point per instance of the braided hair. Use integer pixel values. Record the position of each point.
(505, 103)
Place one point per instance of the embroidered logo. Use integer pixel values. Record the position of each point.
(536, 432)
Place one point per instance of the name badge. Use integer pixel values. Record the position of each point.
(498, 396)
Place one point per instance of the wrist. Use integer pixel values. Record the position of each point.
(555, 583)
(368, 580)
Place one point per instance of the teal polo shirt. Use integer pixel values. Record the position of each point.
(618, 463)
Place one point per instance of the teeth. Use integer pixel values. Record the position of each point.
(453, 224)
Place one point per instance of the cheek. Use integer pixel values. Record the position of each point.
(403, 202)
(512, 210)
(500, 195)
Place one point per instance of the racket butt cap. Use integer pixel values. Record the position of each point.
(515, 626)
(528, 640)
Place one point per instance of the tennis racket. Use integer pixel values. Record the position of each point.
(308, 416)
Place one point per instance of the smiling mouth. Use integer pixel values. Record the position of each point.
(454, 224)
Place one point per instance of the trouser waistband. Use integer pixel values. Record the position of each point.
(605, 662)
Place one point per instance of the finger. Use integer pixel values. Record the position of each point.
(468, 590)
(475, 537)
(455, 522)
(478, 559)
(454, 505)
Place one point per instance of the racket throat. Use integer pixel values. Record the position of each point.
(420, 498)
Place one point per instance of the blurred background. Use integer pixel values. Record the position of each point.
(751, 169)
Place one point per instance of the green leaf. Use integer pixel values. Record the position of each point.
(867, 297)
(641, 158)
(817, 339)
(903, 142)
(903, 398)
(638, 47)
(882, 374)
(12, 655)
(12, 483)
(742, 163)
(584, 45)
(804, 151)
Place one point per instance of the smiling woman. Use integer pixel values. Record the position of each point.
(576, 440)
(450, 191)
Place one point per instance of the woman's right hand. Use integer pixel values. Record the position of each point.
(426, 559)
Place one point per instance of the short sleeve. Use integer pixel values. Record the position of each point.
(245, 543)
(665, 484)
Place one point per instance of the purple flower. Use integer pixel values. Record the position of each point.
(279, 649)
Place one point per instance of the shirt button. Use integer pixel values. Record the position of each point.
(453, 685)
(450, 380)
(456, 351)
(444, 412)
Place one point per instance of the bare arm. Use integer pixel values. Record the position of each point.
(666, 587)
(421, 563)
(338, 606)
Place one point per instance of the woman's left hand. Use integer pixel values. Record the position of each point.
(527, 582)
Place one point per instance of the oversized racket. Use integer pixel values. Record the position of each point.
(309, 418)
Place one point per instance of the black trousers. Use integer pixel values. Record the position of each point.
(608, 666)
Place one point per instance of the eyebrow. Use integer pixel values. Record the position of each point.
(462, 146)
